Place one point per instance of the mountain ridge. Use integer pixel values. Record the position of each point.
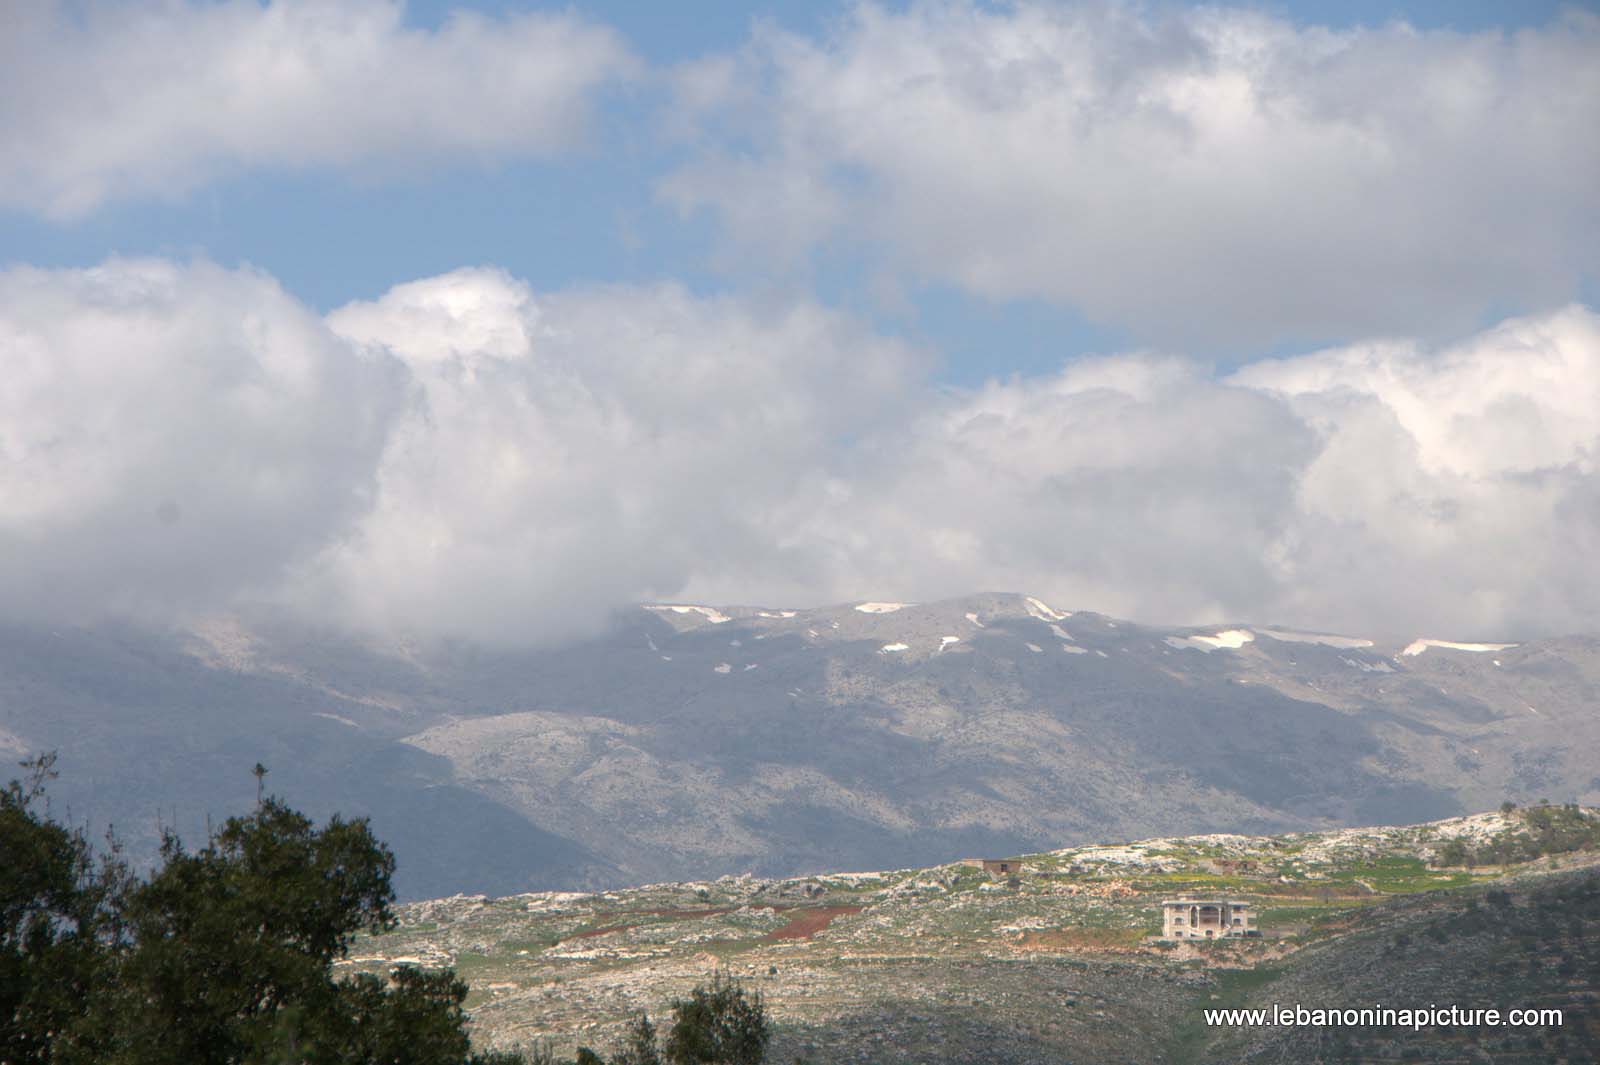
(690, 737)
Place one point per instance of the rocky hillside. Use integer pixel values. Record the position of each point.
(689, 739)
(1532, 943)
(1059, 964)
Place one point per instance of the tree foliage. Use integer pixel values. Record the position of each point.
(57, 920)
(1542, 830)
(719, 1024)
(638, 1044)
(223, 956)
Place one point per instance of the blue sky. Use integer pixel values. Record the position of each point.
(593, 215)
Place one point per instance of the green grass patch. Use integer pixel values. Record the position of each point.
(1195, 881)
(1233, 989)
(1399, 876)
(469, 964)
(727, 948)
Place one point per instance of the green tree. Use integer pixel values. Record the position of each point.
(417, 1019)
(223, 956)
(233, 945)
(638, 1044)
(56, 922)
(719, 1024)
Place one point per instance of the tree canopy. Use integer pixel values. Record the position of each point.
(223, 955)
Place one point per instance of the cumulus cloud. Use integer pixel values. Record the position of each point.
(595, 447)
(1453, 484)
(584, 449)
(1383, 488)
(467, 457)
(1207, 175)
(153, 98)
(1137, 485)
(172, 436)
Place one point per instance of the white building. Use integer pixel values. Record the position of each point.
(1197, 918)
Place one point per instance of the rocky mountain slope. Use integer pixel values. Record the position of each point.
(690, 739)
(1533, 943)
(1060, 964)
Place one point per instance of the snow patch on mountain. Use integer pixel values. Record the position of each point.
(1349, 643)
(1416, 647)
(889, 648)
(710, 613)
(880, 608)
(1230, 639)
(1043, 611)
(974, 619)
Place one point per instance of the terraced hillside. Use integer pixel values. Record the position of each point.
(1060, 964)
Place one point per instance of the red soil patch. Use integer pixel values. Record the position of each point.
(810, 922)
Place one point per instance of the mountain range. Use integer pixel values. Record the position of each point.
(690, 740)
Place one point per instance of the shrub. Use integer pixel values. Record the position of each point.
(719, 1024)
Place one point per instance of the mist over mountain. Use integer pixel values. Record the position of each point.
(691, 740)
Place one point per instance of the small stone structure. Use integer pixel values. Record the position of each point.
(996, 867)
(1207, 918)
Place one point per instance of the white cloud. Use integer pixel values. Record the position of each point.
(466, 457)
(1383, 487)
(172, 436)
(153, 98)
(1453, 487)
(1209, 175)
(1135, 485)
(590, 448)
(584, 449)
